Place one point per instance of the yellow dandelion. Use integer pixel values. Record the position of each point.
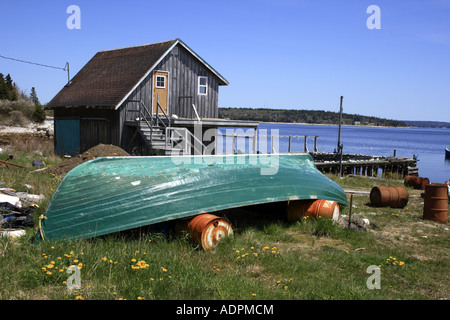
(75, 261)
(163, 269)
(253, 294)
(48, 273)
(401, 263)
(79, 298)
(133, 260)
(50, 266)
(104, 259)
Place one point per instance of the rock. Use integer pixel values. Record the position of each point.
(357, 223)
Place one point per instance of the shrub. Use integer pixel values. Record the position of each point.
(26, 107)
(17, 118)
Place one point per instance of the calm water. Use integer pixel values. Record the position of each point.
(428, 144)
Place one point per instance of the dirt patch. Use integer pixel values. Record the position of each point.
(101, 150)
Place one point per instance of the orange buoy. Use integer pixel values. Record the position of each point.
(207, 230)
(435, 205)
(298, 209)
(394, 197)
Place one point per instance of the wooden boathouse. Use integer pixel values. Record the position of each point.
(145, 99)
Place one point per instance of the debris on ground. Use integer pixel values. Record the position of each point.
(101, 150)
(357, 223)
(15, 217)
(37, 163)
(16, 198)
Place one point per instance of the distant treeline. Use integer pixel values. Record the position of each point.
(428, 124)
(304, 116)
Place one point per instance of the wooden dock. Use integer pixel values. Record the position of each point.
(365, 165)
(348, 164)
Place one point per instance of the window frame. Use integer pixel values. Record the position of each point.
(156, 81)
(202, 86)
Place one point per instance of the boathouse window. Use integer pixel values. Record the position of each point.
(160, 81)
(202, 85)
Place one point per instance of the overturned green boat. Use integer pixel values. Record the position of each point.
(112, 194)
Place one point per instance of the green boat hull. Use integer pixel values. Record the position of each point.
(108, 195)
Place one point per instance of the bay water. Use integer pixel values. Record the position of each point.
(427, 144)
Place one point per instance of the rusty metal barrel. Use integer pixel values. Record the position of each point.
(435, 205)
(416, 182)
(394, 197)
(207, 230)
(299, 209)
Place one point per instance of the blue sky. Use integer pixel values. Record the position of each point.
(287, 54)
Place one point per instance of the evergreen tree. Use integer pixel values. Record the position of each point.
(33, 97)
(39, 112)
(3, 88)
(9, 82)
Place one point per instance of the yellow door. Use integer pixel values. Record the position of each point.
(160, 84)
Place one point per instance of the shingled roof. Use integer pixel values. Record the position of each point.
(110, 76)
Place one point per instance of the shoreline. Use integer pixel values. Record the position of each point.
(344, 125)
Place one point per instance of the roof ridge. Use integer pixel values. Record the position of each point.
(140, 45)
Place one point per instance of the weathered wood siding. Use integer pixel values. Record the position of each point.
(97, 125)
(183, 72)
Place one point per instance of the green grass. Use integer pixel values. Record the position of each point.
(268, 258)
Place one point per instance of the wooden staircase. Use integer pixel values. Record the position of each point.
(160, 137)
(158, 141)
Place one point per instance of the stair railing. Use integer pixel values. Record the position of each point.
(158, 119)
(143, 115)
(186, 138)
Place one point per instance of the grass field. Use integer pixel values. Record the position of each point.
(267, 259)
